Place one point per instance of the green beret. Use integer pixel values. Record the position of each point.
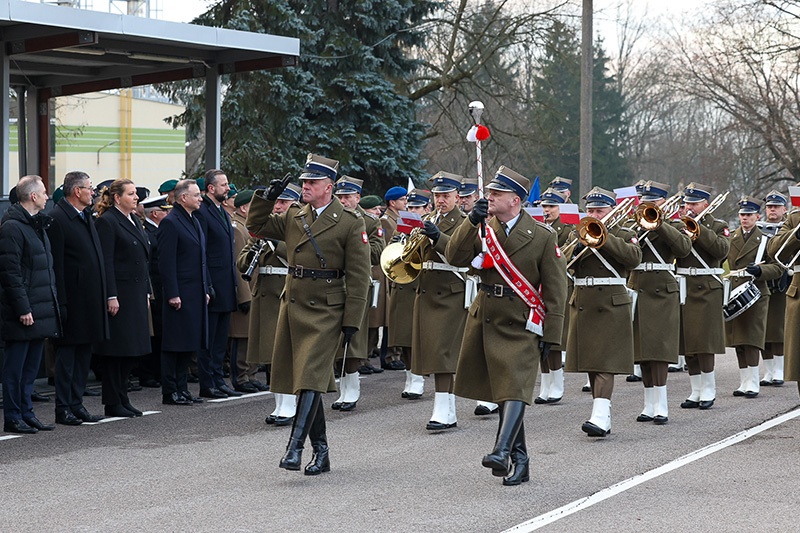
(368, 202)
(232, 191)
(58, 194)
(243, 197)
(167, 186)
(201, 182)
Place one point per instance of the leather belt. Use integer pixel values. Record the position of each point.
(433, 265)
(497, 290)
(316, 273)
(651, 267)
(273, 271)
(694, 271)
(593, 282)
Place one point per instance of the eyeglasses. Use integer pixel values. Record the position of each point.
(84, 187)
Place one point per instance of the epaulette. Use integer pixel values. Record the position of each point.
(353, 212)
(545, 226)
(370, 215)
(384, 217)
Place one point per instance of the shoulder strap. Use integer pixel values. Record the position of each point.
(307, 229)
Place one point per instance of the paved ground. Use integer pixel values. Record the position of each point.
(215, 466)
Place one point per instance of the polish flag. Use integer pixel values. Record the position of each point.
(407, 221)
(569, 213)
(536, 212)
(794, 194)
(626, 192)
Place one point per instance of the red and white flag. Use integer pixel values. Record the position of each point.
(569, 213)
(536, 212)
(626, 192)
(794, 194)
(408, 221)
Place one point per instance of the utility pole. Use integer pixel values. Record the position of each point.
(587, 60)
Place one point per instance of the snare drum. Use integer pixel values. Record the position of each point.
(742, 298)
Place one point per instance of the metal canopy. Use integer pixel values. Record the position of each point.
(58, 51)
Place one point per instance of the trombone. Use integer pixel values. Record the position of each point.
(693, 222)
(593, 232)
(793, 260)
(649, 216)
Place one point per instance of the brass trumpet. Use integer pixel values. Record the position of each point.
(692, 223)
(401, 262)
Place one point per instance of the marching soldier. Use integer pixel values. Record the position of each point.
(326, 243)
(467, 194)
(440, 300)
(657, 322)
(703, 324)
(783, 248)
(267, 259)
(399, 328)
(377, 315)
(563, 186)
(552, 380)
(773, 342)
(747, 331)
(506, 330)
(600, 302)
(348, 191)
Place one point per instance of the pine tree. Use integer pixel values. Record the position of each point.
(341, 101)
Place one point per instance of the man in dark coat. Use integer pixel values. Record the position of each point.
(81, 282)
(29, 306)
(221, 261)
(184, 277)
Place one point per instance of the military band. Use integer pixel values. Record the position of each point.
(772, 354)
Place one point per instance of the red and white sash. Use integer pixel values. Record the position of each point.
(518, 283)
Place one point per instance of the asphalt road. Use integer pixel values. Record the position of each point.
(215, 466)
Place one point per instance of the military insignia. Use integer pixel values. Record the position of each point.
(558, 252)
(364, 237)
(726, 232)
(634, 240)
(380, 232)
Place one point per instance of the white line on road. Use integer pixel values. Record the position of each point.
(9, 437)
(584, 503)
(242, 397)
(116, 418)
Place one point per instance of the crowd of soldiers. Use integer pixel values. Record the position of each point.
(317, 261)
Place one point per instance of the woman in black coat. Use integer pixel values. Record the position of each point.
(125, 251)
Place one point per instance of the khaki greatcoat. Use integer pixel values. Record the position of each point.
(240, 322)
(499, 358)
(750, 327)
(703, 324)
(439, 314)
(791, 346)
(601, 329)
(563, 232)
(657, 319)
(313, 311)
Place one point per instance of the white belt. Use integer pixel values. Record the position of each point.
(273, 271)
(795, 269)
(592, 282)
(433, 265)
(647, 267)
(694, 271)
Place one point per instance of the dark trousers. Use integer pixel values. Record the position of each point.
(174, 371)
(150, 364)
(115, 378)
(209, 362)
(20, 366)
(244, 371)
(71, 373)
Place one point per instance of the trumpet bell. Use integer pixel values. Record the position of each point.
(592, 232)
(691, 226)
(649, 216)
(395, 268)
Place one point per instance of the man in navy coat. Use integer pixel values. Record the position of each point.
(81, 283)
(184, 278)
(221, 261)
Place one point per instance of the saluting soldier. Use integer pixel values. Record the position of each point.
(703, 324)
(600, 339)
(783, 247)
(348, 191)
(552, 381)
(323, 300)
(773, 343)
(748, 262)
(657, 318)
(399, 328)
(504, 337)
(440, 300)
(269, 274)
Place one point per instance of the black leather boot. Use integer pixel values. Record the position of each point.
(500, 458)
(320, 462)
(519, 456)
(308, 402)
